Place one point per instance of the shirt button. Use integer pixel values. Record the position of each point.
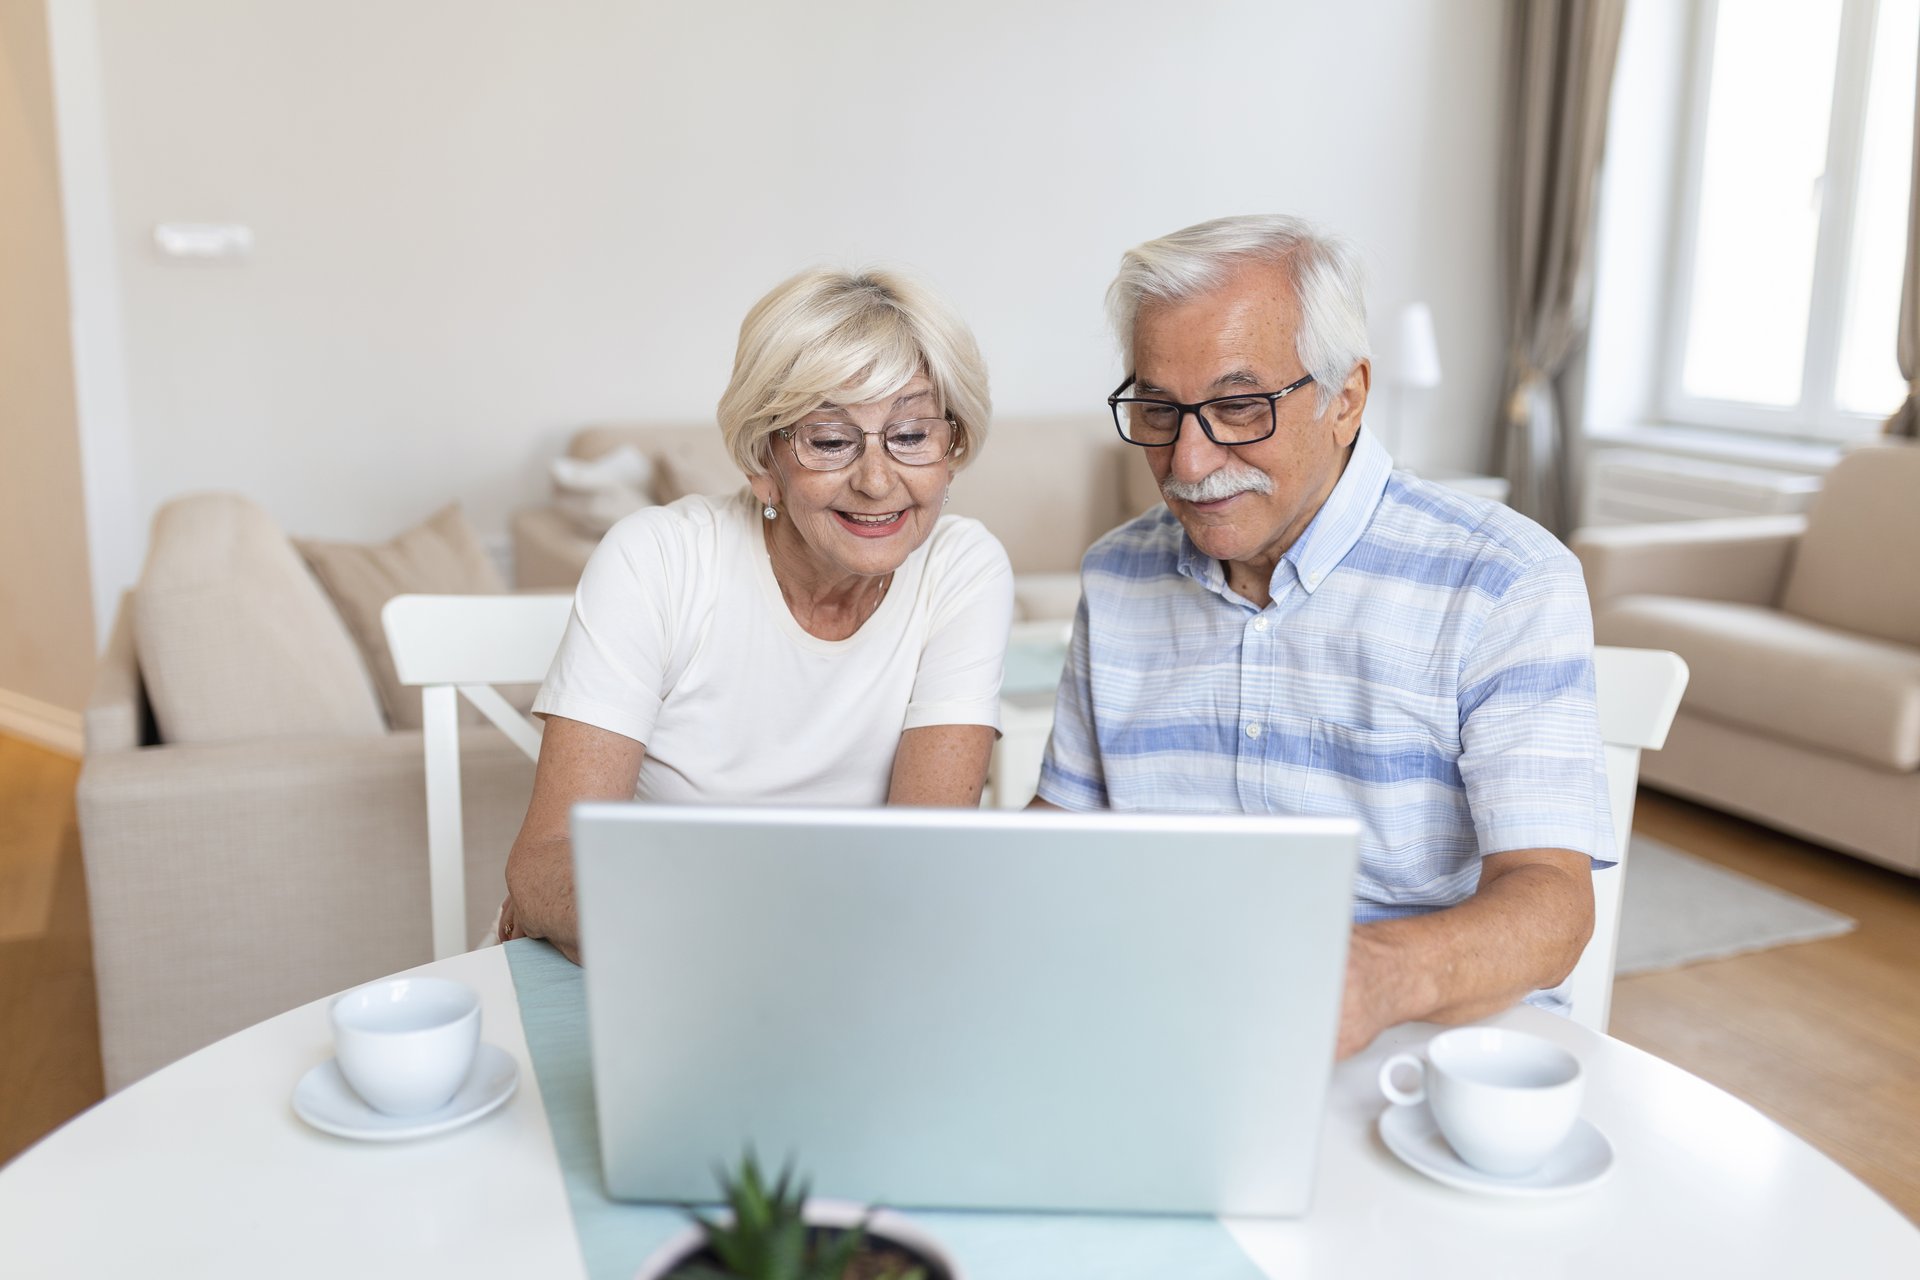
(1260, 623)
(1313, 579)
(1253, 729)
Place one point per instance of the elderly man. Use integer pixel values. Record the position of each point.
(1303, 630)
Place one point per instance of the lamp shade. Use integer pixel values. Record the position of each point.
(1415, 353)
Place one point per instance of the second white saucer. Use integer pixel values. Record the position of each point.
(325, 1100)
(1583, 1159)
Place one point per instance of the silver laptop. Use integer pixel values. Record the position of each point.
(965, 1009)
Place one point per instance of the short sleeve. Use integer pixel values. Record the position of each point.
(612, 669)
(1531, 759)
(971, 612)
(1070, 772)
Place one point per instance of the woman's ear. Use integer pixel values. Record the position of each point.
(765, 488)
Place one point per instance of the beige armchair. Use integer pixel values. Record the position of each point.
(1803, 635)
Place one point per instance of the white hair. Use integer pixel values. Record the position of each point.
(1328, 282)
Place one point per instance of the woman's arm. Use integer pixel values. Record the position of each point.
(941, 765)
(577, 762)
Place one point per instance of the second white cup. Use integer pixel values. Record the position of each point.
(406, 1045)
(1504, 1100)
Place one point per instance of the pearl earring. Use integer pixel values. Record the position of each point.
(945, 498)
(770, 511)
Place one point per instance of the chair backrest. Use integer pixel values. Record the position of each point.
(460, 646)
(1638, 692)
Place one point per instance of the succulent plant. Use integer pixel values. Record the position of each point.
(770, 1239)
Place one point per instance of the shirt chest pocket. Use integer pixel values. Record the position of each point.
(1388, 777)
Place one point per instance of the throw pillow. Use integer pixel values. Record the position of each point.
(235, 640)
(595, 494)
(681, 470)
(443, 556)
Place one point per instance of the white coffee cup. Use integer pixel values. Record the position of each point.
(1504, 1100)
(406, 1045)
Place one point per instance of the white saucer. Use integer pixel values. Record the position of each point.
(325, 1100)
(1583, 1159)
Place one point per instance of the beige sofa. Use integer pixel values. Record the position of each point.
(254, 832)
(1803, 635)
(1046, 487)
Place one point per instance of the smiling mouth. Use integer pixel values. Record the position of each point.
(860, 520)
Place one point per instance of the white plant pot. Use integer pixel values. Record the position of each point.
(843, 1214)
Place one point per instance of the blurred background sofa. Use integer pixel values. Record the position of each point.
(1803, 636)
(1046, 487)
(251, 801)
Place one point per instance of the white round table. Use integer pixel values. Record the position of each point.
(203, 1170)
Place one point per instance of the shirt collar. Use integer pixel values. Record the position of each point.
(1342, 518)
(1345, 514)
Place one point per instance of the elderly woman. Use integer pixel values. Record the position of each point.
(825, 637)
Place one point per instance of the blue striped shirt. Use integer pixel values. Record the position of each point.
(1425, 665)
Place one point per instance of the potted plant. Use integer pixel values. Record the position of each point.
(776, 1233)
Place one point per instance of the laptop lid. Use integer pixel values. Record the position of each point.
(965, 1008)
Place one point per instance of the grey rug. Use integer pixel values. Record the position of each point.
(1680, 909)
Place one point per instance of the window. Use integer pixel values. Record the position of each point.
(1793, 218)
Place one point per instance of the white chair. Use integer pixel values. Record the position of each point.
(460, 646)
(1638, 691)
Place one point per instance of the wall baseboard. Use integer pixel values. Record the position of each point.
(41, 723)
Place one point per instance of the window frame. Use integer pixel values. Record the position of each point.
(1818, 415)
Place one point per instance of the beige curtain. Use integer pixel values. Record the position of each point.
(1906, 419)
(1560, 72)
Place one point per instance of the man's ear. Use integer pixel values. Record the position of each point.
(1350, 402)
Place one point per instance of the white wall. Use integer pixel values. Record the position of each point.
(481, 225)
(46, 624)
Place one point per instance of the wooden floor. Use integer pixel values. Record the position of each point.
(49, 1033)
(1823, 1036)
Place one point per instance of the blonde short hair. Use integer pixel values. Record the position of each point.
(853, 337)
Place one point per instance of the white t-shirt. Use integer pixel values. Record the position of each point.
(681, 640)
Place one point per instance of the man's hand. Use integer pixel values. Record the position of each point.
(1523, 929)
(1378, 991)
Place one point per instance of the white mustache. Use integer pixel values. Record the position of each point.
(1233, 478)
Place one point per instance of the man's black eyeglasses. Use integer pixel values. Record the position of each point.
(1246, 418)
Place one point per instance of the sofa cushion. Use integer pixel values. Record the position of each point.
(1854, 567)
(594, 495)
(697, 466)
(1781, 675)
(236, 639)
(441, 556)
(1046, 487)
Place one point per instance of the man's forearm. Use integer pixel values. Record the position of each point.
(1522, 931)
